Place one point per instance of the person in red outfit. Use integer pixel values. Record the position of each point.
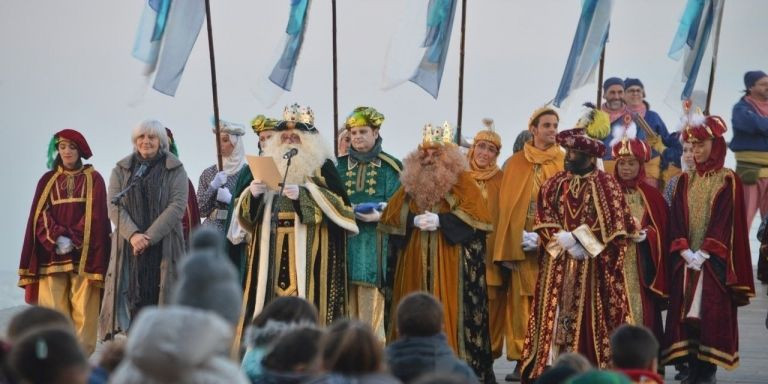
(710, 264)
(66, 245)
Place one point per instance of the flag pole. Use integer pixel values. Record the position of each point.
(214, 88)
(461, 69)
(600, 78)
(335, 84)
(715, 47)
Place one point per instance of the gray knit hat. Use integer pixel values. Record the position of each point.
(207, 279)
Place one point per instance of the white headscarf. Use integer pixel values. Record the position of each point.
(236, 160)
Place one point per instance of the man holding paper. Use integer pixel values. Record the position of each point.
(307, 256)
(370, 177)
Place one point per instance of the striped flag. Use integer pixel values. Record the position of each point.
(690, 43)
(282, 73)
(166, 35)
(588, 43)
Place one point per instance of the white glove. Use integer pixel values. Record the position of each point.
(689, 258)
(382, 205)
(219, 180)
(224, 195)
(699, 257)
(427, 221)
(64, 245)
(530, 241)
(370, 217)
(565, 239)
(641, 236)
(578, 252)
(257, 188)
(291, 191)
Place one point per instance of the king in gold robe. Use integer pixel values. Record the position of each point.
(437, 227)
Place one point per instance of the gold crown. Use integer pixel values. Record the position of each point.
(295, 113)
(437, 136)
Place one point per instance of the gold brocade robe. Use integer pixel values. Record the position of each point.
(452, 272)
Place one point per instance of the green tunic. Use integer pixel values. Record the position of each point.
(371, 182)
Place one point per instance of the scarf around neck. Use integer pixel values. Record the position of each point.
(366, 157)
(760, 106)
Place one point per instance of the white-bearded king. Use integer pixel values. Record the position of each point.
(307, 257)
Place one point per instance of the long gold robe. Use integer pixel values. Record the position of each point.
(435, 262)
(510, 303)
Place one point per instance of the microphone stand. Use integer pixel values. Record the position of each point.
(273, 230)
(117, 200)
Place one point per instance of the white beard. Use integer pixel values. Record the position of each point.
(312, 154)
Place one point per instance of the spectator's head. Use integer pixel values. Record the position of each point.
(295, 351)
(574, 360)
(440, 378)
(112, 353)
(600, 377)
(208, 280)
(634, 347)
(419, 314)
(351, 348)
(35, 317)
(287, 309)
(558, 374)
(49, 356)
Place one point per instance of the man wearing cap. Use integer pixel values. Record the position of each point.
(66, 245)
(645, 258)
(437, 224)
(664, 151)
(370, 177)
(710, 263)
(583, 224)
(618, 110)
(750, 146)
(264, 127)
(516, 244)
(305, 255)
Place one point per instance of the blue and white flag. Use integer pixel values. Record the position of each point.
(418, 50)
(439, 26)
(166, 35)
(588, 44)
(282, 73)
(690, 42)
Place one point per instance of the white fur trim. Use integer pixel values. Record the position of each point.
(618, 132)
(343, 222)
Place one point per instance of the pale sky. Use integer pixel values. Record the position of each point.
(67, 64)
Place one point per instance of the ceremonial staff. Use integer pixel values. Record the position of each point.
(600, 77)
(214, 88)
(715, 46)
(335, 84)
(461, 69)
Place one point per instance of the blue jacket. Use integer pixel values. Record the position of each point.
(750, 130)
(411, 357)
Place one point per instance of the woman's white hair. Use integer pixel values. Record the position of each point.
(150, 127)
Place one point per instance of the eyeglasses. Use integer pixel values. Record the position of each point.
(633, 90)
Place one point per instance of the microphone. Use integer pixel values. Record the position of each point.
(140, 172)
(293, 152)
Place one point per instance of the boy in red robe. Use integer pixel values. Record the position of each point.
(710, 264)
(66, 245)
